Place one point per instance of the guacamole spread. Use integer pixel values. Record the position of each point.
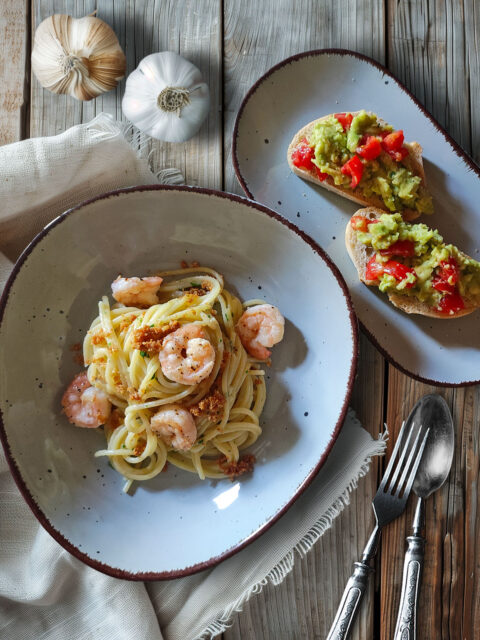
(359, 153)
(413, 260)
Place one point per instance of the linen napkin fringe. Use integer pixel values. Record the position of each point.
(278, 574)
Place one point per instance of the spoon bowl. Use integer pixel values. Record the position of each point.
(432, 411)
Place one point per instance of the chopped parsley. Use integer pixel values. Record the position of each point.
(144, 354)
(195, 285)
(154, 377)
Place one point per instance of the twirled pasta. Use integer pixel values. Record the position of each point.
(135, 384)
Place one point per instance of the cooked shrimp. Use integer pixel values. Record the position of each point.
(259, 327)
(175, 426)
(136, 292)
(84, 405)
(186, 355)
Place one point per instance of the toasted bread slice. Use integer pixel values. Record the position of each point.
(361, 254)
(413, 162)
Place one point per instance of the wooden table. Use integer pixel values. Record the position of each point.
(432, 47)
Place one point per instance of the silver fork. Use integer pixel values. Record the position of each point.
(388, 503)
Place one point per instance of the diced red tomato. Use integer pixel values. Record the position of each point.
(449, 271)
(302, 155)
(405, 248)
(374, 269)
(321, 176)
(451, 303)
(393, 141)
(396, 269)
(447, 276)
(370, 149)
(354, 168)
(442, 285)
(360, 223)
(399, 271)
(345, 119)
(393, 145)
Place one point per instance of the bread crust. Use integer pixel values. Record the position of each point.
(414, 162)
(361, 254)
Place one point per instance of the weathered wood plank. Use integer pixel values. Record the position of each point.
(257, 36)
(144, 27)
(472, 63)
(14, 61)
(427, 51)
(451, 585)
(432, 49)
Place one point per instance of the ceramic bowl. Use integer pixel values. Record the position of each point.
(174, 524)
(441, 352)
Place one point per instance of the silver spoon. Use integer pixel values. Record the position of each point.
(430, 411)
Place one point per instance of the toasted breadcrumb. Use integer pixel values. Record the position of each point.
(149, 339)
(234, 469)
(98, 337)
(198, 291)
(140, 448)
(210, 406)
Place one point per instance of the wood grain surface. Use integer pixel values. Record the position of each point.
(14, 70)
(431, 46)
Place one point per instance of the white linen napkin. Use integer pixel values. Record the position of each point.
(47, 594)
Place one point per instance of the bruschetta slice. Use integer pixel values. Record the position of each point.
(412, 265)
(361, 157)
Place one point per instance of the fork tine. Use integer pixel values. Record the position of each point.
(404, 469)
(413, 472)
(398, 465)
(389, 468)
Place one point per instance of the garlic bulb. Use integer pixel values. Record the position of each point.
(78, 56)
(166, 97)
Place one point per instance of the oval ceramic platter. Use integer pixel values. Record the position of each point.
(316, 83)
(175, 524)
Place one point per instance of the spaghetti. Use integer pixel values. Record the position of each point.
(125, 350)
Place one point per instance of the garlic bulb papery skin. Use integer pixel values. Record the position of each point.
(166, 98)
(78, 56)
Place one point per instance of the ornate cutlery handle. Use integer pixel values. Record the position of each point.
(348, 607)
(406, 627)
